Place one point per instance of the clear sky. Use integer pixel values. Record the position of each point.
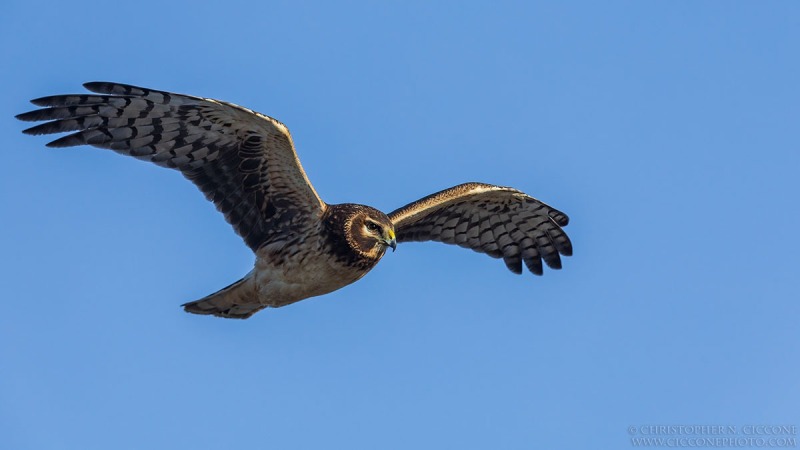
(668, 131)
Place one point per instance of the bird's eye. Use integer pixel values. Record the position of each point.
(372, 226)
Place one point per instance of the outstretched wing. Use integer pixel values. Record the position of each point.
(243, 161)
(499, 221)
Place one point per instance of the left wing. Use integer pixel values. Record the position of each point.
(244, 162)
(499, 221)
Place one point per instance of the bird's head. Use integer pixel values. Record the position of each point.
(381, 230)
(373, 232)
(367, 231)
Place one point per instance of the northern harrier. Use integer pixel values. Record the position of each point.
(245, 163)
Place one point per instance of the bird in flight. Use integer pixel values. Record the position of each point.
(245, 163)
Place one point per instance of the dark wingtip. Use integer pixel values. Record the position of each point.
(515, 270)
(100, 87)
(553, 261)
(514, 265)
(108, 87)
(560, 218)
(71, 140)
(42, 101)
(36, 130)
(25, 117)
(534, 266)
(93, 85)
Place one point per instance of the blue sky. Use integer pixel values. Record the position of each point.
(668, 131)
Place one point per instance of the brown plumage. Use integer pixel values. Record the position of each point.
(245, 163)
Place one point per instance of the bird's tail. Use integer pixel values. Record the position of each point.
(237, 301)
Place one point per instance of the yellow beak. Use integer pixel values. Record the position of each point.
(390, 240)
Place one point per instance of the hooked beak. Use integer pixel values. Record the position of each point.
(391, 241)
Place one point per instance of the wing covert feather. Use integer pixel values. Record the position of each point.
(499, 221)
(243, 161)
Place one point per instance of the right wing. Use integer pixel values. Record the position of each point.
(499, 221)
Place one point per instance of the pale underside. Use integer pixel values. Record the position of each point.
(277, 280)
